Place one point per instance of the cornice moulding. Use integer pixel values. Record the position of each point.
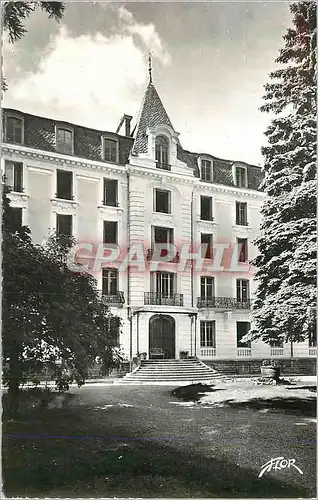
(64, 161)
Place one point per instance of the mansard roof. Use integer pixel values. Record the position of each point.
(39, 133)
(151, 114)
(222, 169)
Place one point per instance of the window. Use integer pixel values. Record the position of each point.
(207, 334)
(14, 219)
(110, 192)
(242, 290)
(207, 251)
(207, 287)
(162, 152)
(14, 129)
(162, 201)
(242, 249)
(110, 282)
(242, 328)
(14, 176)
(110, 150)
(63, 225)
(277, 343)
(164, 283)
(64, 185)
(206, 171)
(110, 232)
(240, 177)
(241, 214)
(162, 235)
(313, 339)
(206, 208)
(64, 141)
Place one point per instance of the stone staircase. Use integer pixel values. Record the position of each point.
(166, 371)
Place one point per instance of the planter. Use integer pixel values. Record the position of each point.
(143, 356)
(270, 372)
(184, 354)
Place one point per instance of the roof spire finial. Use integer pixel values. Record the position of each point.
(150, 67)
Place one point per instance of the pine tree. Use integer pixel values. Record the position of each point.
(285, 303)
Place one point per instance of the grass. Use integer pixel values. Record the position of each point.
(74, 451)
(290, 398)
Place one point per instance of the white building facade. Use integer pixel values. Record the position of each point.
(154, 205)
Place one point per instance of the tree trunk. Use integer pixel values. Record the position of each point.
(14, 376)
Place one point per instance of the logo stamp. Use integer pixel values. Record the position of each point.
(279, 463)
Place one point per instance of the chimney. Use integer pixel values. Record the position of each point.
(127, 119)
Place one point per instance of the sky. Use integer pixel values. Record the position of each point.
(210, 63)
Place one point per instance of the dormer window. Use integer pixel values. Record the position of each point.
(162, 152)
(206, 171)
(110, 150)
(64, 140)
(14, 129)
(241, 177)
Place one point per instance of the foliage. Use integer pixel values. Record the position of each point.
(15, 14)
(271, 363)
(285, 305)
(52, 317)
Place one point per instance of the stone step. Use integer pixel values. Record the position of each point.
(168, 382)
(171, 371)
(175, 373)
(174, 367)
(169, 362)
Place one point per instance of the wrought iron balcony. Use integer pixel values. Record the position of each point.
(117, 299)
(223, 303)
(152, 253)
(162, 299)
(15, 189)
(163, 166)
(241, 223)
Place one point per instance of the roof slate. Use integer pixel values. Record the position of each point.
(222, 169)
(39, 133)
(152, 113)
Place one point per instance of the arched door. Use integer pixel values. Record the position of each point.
(161, 337)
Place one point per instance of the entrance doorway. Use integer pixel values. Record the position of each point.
(162, 337)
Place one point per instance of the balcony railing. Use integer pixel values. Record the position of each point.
(15, 189)
(277, 351)
(244, 351)
(161, 299)
(163, 166)
(223, 303)
(207, 352)
(312, 351)
(117, 299)
(151, 254)
(241, 223)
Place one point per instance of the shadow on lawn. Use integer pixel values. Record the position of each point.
(305, 407)
(92, 463)
(193, 392)
(311, 388)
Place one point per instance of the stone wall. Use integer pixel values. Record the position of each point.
(289, 366)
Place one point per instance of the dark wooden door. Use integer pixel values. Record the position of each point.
(162, 337)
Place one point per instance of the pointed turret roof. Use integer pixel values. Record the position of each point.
(152, 113)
